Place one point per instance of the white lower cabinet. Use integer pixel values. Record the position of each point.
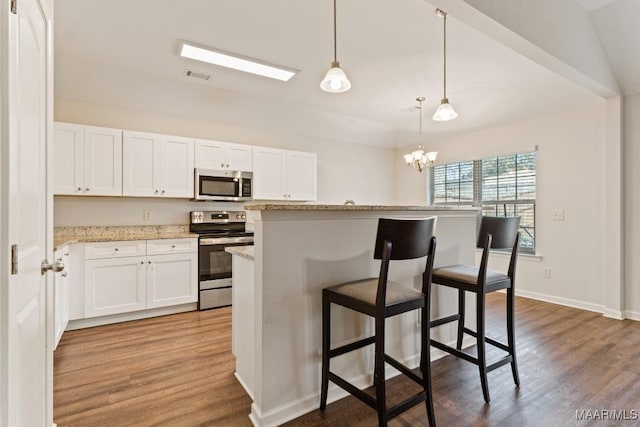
(116, 282)
(172, 279)
(61, 295)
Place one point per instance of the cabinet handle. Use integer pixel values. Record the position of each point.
(116, 249)
(172, 246)
(162, 191)
(87, 189)
(64, 274)
(157, 191)
(79, 188)
(148, 262)
(142, 262)
(66, 254)
(227, 164)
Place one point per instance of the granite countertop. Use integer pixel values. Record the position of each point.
(316, 207)
(66, 235)
(246, 252)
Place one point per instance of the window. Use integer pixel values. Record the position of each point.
(501, 186)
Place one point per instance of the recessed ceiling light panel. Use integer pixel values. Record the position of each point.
(236, 62)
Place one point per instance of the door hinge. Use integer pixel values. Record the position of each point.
(14, 259)
(14, 6)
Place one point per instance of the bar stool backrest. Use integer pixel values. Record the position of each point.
(503, 231)
(409, 238)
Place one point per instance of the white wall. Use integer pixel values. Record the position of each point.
(345, 171)
(569, 177)
(632, 205)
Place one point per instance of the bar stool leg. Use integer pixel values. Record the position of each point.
(460, 318)
(379, 372)
(425, 363)
(326, 342)
(482, 361)
(511, 339)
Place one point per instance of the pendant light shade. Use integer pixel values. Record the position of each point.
(335, 81)
(445, 111)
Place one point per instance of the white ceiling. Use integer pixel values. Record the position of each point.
(123, 53)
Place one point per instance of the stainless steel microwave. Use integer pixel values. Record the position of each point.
(223, 185)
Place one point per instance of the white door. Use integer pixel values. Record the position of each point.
(269, 173)
(68, 159)
(301, 176)
(102, 161)
(26, 397)
(172, 279)
(139, 165)
(176, 168)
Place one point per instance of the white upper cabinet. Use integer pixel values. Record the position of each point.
(157, 165)
(284, 175)
(219, 155)
(87, 160)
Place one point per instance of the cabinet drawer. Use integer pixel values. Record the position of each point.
(172, 246)
(117, 249)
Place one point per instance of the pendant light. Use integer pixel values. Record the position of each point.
(335, 81)
(445, 111)
(418, 158)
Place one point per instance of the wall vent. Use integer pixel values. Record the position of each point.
(197, 75)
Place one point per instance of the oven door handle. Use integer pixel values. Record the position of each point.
(224, 240)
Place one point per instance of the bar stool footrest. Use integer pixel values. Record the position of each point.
(489, 340)
(444, 320)
(356, 392)
(454, 351)
(406, 404)
(503, 361)
(402, 368)
(352, 346)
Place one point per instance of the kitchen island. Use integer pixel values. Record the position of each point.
(301, 249)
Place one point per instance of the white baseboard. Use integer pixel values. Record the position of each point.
(613, 314)
(243, 384)
(562, 301)
(125, 317)
(311, 402)
(632, 315)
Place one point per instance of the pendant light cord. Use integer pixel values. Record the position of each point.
(445, 55)
(335, 36)
(420, 108)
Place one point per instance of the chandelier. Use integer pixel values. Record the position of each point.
(420, 159)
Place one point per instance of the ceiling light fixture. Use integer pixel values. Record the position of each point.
(445, 111)
(335, 81)
(419, 159)
(236, 62)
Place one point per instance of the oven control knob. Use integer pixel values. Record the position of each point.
(240, 216)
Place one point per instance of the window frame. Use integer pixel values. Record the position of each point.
(528, 232)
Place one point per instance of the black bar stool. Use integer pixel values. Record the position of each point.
(379, 298)
(495, 233)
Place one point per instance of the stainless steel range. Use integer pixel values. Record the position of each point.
(218, 230)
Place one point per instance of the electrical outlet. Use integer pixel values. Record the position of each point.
(547, 273)
(146, 214)
(557, 215)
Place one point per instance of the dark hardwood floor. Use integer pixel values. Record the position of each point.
(178, 370)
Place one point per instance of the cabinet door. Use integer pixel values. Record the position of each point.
(172, 279)
(239, 157)
(219, 155)
(209, 154)
(301, 176)
(61, 295)
(269, 174)
(68, 159)
(102, 161)
(115, 285)
(140, 163)
(176, 169)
